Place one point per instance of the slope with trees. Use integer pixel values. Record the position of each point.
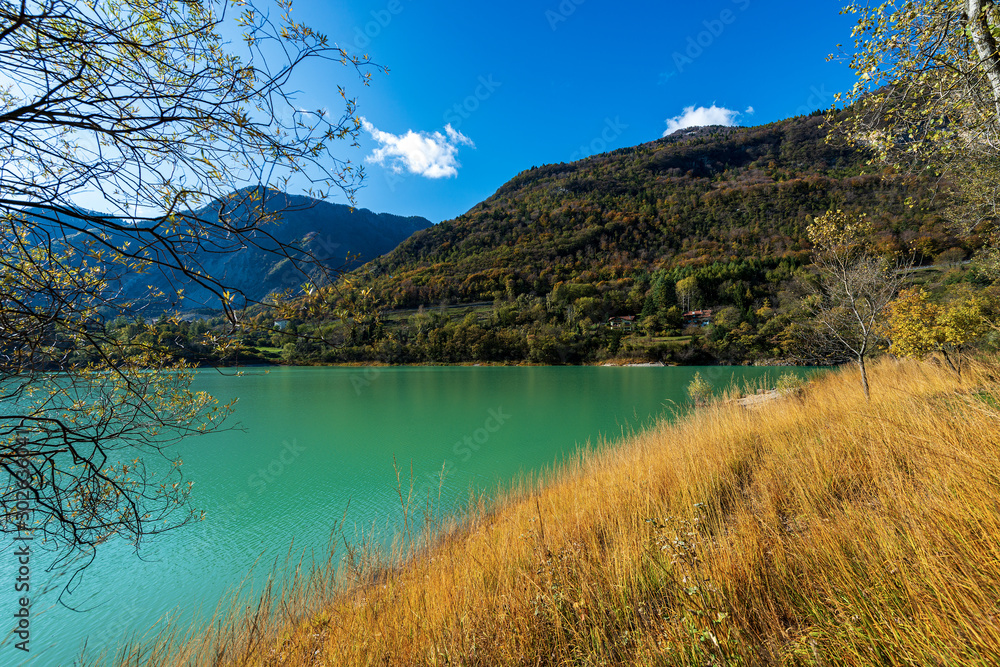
(927, 101)
(335, 237)
(711, 217)
(688, 200)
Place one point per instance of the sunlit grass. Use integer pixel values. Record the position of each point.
(818, 529)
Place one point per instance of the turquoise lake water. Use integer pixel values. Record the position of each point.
(311, 449)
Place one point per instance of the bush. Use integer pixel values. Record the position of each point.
(790, 383)
(699, 390)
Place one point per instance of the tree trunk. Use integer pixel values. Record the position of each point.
(864, 377)
(947, 360)
(986, 47)
(956, 365)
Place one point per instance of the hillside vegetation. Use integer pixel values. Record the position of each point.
(711, 219)
(319, 236)
(819, 529)
(693, 199)
(708, 218)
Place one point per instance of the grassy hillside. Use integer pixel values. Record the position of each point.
(816, 530)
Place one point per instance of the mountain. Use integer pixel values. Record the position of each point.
(603, 258)
(338, 235)
(697, 198)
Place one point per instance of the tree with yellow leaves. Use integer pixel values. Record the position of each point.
(928, 77)
(918, 327)
(853, 289)
(927, 98)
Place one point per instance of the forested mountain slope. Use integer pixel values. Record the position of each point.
(708, 219)
(697, 197)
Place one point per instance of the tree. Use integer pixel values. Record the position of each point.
(673, 319)
(917, 326)
(927, 97)
(145, 107)
(687, 292)
(855, 286)
(950, 258)
(928, 78)
(661, 296)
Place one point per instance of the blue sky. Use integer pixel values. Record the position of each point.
(531, 82)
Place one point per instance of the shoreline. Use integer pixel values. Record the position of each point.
(496, 364)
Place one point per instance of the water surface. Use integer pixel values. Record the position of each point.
(313, 449)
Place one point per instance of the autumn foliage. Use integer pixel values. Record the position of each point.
(918, 327)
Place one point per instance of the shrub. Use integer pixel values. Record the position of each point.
(699, 390)
(790, 383)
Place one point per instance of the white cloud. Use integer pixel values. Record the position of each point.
(322, 113)
(749, 111)
(698, 116)
(429, 154)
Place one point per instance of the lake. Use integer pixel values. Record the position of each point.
(313, 448)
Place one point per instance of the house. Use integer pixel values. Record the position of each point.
(281, 325)
(698, 318)
(623, 323)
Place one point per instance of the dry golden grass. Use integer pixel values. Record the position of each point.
(816, 530)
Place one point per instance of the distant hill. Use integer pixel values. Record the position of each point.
(698, 197)
(334, 233)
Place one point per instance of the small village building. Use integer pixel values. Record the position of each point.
(698, 318)
(623, 323)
